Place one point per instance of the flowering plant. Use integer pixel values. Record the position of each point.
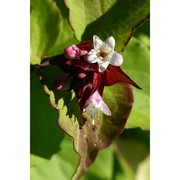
(85, 80)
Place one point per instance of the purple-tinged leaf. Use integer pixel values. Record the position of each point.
(88, 138)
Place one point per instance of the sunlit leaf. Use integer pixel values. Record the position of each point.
(84, 12)
(104, 163)
(105, 18)
(36, 160)
(50, 31)
(137, 66)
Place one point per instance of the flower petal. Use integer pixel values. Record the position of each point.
(103, 66)
(110, 42)
(98, 43)
(116, 59)
(104, 108)
(91, 56)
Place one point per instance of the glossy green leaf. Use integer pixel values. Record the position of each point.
(137, 65)
(49, 29)
(105, 18)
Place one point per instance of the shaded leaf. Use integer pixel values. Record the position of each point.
(130, 149)
(45, 136)
(135, 155)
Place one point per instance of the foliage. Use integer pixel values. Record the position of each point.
(56, 25)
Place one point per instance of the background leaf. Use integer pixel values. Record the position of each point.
(45, 135)
(84, 12)
(106, 18)
(131, 149)
(49, 30)
(143, 171)
(59, 166)
(137, 66)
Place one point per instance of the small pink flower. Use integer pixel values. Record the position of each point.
(94, 104)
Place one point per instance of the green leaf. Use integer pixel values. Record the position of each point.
(84, 12)
(104, 163)
(105, 18)
(49, 30)
(143, 171)
(36, 160)
(132, 156)
(130, 149)
(88, 139)
(59, 166)
(45, 23)
(137, 65)
(45, 136)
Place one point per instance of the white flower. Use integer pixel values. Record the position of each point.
(94, 104)
(104, 54)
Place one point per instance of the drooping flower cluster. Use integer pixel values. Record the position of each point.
(87, 70)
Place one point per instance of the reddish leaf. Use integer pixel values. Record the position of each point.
(88, 138)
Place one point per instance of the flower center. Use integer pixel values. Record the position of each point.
(103, 54)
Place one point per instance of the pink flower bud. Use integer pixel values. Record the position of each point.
(72, 52)
(94, 104)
